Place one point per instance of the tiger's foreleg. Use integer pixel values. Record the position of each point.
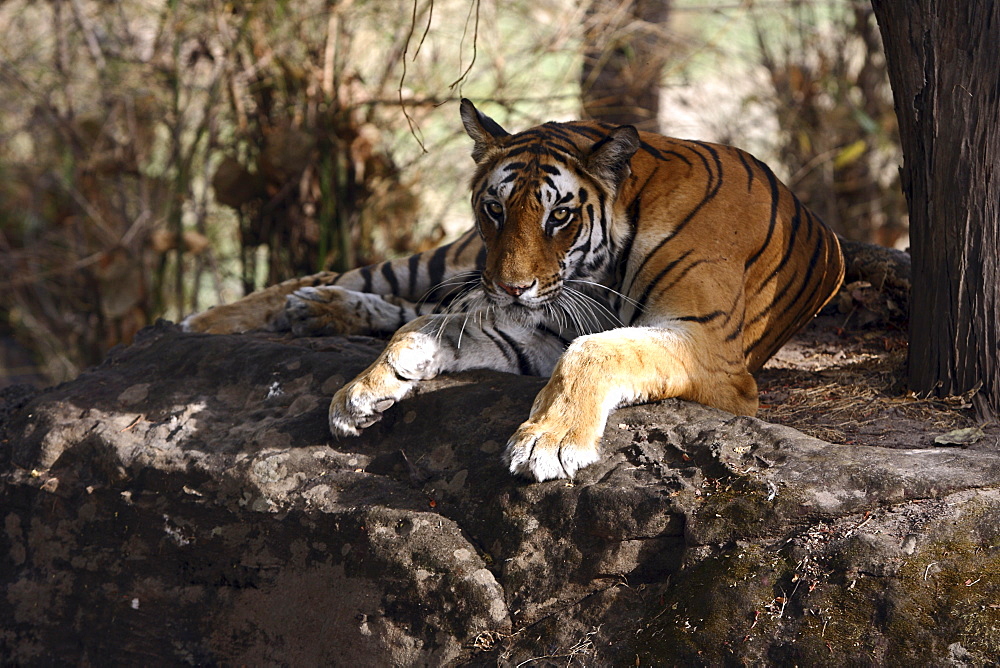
(434, 344)
(619, 367)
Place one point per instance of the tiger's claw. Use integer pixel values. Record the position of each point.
(541, 454)
(352, 410)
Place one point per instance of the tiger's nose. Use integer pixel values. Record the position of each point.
(513, 290)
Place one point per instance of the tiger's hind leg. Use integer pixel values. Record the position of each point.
(264, 309)
(332, 310)
(435, 276)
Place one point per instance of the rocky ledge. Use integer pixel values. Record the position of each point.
(184, 503)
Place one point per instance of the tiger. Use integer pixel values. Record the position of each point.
(626, 266)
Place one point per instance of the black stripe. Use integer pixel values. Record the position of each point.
(366, 273)
(601, 208)
(601, 135)
(560, 130)
(652, 284)
(810, 219)
(702, 319)
(465, 244)
(664, 155)
(684, 273)
(633, 212)
(504, 349)
(736, 332)
(523, 363)
(649, 177)
(746, 165)
(709, 195)
(732, 309)
(436, 266)
(413, 264)
(773, 181)
(588, 132)
(621, 267)
(521, 150)
(653, 151)
(777, 298)
(789, 248)
(809, 303)
(390, 276)
(796, 299)
(585, 249)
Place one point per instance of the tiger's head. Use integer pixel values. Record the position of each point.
(543, 201)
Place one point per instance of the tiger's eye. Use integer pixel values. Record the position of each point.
(494, 208)
(560, 215)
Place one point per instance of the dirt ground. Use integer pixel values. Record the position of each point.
(845, 382)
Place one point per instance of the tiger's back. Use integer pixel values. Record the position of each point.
(706, 213)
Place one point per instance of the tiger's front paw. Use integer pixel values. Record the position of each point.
(546, 447)
(410, 357)
(361, 403)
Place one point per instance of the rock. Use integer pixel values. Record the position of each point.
(184, 503)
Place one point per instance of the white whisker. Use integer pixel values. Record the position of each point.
(454, 282)
(585, 305)
(465, 321)
(578, 314)
(612, 316)
(606, 288)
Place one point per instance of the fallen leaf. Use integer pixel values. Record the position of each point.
(965, 436)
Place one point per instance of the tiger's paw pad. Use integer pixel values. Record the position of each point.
(351, 410)
(536, 453)
(320, 311)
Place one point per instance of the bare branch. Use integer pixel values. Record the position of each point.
(414, 130)
(475, 41)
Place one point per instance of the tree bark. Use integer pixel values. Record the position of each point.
(943, 67)
(624, 53)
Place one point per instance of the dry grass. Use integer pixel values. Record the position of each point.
(848, 386)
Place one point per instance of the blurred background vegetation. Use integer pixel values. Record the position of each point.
(158, 157)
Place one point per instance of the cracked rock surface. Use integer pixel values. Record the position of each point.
(184, 503)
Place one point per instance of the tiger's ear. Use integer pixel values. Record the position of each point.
(485, 132)
(609, 158)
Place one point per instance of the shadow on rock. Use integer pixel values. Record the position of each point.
(184, 502)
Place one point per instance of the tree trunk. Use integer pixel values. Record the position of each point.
(624, 53)
(943, 67)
